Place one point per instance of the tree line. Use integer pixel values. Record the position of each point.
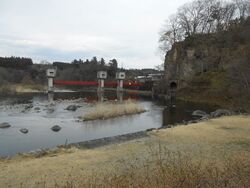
(85, 70)
(22, 70)
(202, 17)
(15, 62)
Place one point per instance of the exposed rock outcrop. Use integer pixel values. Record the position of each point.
(212, 67)
(221, 112)
(200, 113)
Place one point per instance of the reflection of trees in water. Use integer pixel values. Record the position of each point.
(93, 95)
(182, 111)
(168, 116)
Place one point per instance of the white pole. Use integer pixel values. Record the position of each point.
(121, 84)
(102, 83)
(50, 84)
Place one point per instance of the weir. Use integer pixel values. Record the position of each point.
(100, 84)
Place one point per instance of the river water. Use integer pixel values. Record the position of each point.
(37, 114)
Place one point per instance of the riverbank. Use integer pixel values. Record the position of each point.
(190, 155)
(21, 88)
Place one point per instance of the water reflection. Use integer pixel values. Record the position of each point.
(119, 96)
(180, 111)
(50, 97)
(169, 116)
(100, 95)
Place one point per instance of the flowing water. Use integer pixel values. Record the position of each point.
(38, 114)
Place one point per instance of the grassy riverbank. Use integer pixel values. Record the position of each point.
(214, 153)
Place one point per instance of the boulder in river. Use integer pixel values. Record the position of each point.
(4, 125)
(28, 107)
(24, 131)
(199, 113)
(221, 112)
(37, 108)
(56, 128)
(50, 110)
(71, 108)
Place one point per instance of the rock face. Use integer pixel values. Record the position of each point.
(4, 125)
(221, 112)
(199, 113)
(24, 131)
(71, 108)
(56, 128)
(210, 67)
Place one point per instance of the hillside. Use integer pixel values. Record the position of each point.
(213, 67)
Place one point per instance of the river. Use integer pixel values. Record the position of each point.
(37, 114)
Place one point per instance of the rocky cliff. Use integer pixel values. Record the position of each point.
(212, 67)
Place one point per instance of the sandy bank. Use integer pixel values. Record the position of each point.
(209, 141)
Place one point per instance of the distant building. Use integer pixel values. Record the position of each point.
(150, 78)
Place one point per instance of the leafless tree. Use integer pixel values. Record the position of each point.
(202, 16)
(171, 34)
(243, 8)
(191, 16)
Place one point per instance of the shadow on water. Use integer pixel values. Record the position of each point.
(181, 112)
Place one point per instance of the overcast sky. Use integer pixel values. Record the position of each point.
(63, 30)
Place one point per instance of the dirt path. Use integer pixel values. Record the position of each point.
(210, 140)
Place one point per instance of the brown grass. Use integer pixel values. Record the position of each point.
(167, 169)
(215, 153)
(111, 110)
(21, 88)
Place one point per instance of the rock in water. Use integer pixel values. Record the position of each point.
(199, 113)
(39, 153)
(37, 108)
(221, 112)
(4, 125)
(24, 131)
(71, 108)
(56, 128)
(28, 107)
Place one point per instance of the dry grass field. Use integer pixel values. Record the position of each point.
(214, 153)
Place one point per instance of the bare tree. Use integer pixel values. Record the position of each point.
(191, 16)
(171, 34)
(243, 8)
(202, 16)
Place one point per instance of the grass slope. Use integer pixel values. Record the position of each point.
(215, 153)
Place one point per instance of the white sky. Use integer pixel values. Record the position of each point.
(63, 30)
